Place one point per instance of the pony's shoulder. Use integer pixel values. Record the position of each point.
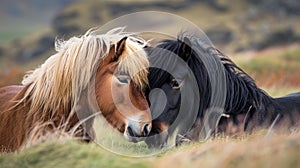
(7, 93)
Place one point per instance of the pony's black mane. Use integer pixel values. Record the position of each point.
(242, 94)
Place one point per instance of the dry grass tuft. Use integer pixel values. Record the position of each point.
(251, 151)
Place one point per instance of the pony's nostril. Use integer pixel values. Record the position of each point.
(146, 129)
(130, 131)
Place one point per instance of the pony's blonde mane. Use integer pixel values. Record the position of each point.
(59, 82)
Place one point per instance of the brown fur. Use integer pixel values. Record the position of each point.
(110, 111)
(15, 123)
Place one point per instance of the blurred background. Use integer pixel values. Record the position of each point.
(262, 36)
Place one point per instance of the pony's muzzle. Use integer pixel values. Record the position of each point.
(138, 130)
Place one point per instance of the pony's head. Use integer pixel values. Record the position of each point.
(105, 72)
(168, 76)
(222, 87)
(119, 83)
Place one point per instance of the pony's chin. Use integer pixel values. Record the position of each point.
(133, 139)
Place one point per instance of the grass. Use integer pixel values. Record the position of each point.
(251, 151)
(68, 154)
(8, 35)
(287, 60)
(256, 150)
(19, 29)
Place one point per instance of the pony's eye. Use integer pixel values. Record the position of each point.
(123, 79)
(176, 84)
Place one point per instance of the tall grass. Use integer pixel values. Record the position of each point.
(254, 150)
(68, 154)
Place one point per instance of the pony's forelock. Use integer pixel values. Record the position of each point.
(137, 69)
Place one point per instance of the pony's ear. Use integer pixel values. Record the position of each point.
(185, 49)
(120, 48)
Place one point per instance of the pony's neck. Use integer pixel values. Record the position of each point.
(62, 116)
(87, 109)
(245, 104)
(203, 81)
(77, 124)
(241, 90)
(30, 126)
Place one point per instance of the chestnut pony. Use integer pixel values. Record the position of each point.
(91, 73)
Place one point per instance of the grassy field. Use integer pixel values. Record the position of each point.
(276, 70)
(14, 32)
(257, 150)
(68, 154)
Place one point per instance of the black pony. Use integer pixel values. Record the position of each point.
(227, 99)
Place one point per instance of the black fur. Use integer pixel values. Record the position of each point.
(246, 104)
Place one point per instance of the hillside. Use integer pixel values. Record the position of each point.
(244, 25)
(20, 18)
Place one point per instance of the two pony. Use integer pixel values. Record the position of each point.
(204, 93)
